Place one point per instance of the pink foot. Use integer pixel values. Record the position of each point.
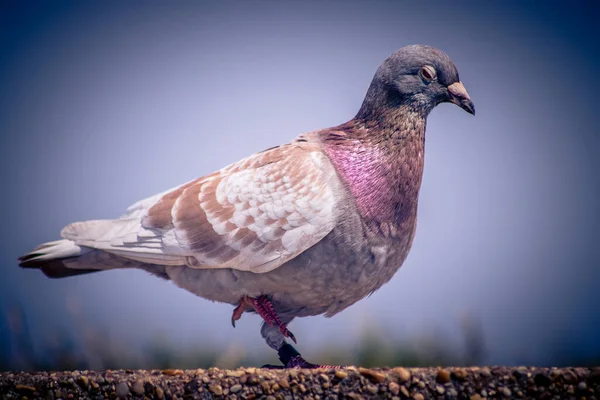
(262, 305)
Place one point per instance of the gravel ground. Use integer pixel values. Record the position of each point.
(352, 383)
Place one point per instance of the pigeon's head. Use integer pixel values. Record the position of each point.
(418, 76)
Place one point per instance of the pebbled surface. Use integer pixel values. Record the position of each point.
(354, 383)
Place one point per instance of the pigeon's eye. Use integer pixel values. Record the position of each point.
(427, 73)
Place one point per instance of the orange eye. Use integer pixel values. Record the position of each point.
(428, 73)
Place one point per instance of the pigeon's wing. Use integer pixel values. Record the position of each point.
(253, 215)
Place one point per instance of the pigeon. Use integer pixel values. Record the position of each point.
(302, 229)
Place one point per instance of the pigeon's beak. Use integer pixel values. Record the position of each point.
(458, 95)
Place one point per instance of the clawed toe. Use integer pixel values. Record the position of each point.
(245, 305)
(289, 335)
(262, 305)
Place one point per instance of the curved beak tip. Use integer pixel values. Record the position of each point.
(468, 106)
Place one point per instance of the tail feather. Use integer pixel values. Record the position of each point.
(63, 258)
(98, 245)
(51, 259)
(56, 269)
(51, 251)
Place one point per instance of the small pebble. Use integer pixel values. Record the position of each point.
(506, 392)
(372, 389)
(138, 387)
(394, 388)
(122, 389)
(83, 381)
(443, 376)
(418, 396)
(235, 388)
(372, 374)
(216, 389)
(404, 391)
(284, 383)
(403, 374)
(460, 374)
(340, 374)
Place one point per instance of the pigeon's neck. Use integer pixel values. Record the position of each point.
(381, 162)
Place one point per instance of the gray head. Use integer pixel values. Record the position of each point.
(418, 76)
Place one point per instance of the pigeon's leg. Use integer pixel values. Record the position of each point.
(262, 305)
(288, 355)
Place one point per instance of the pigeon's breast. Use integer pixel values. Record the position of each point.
(383, 179)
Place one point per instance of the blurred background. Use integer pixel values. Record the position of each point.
(105, 103)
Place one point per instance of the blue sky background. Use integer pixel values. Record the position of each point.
(105, 103)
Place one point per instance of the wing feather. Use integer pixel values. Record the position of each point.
(253, 215)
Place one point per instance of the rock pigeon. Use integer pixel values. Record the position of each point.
(306, 228)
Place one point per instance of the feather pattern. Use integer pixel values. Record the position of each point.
(253, 215)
